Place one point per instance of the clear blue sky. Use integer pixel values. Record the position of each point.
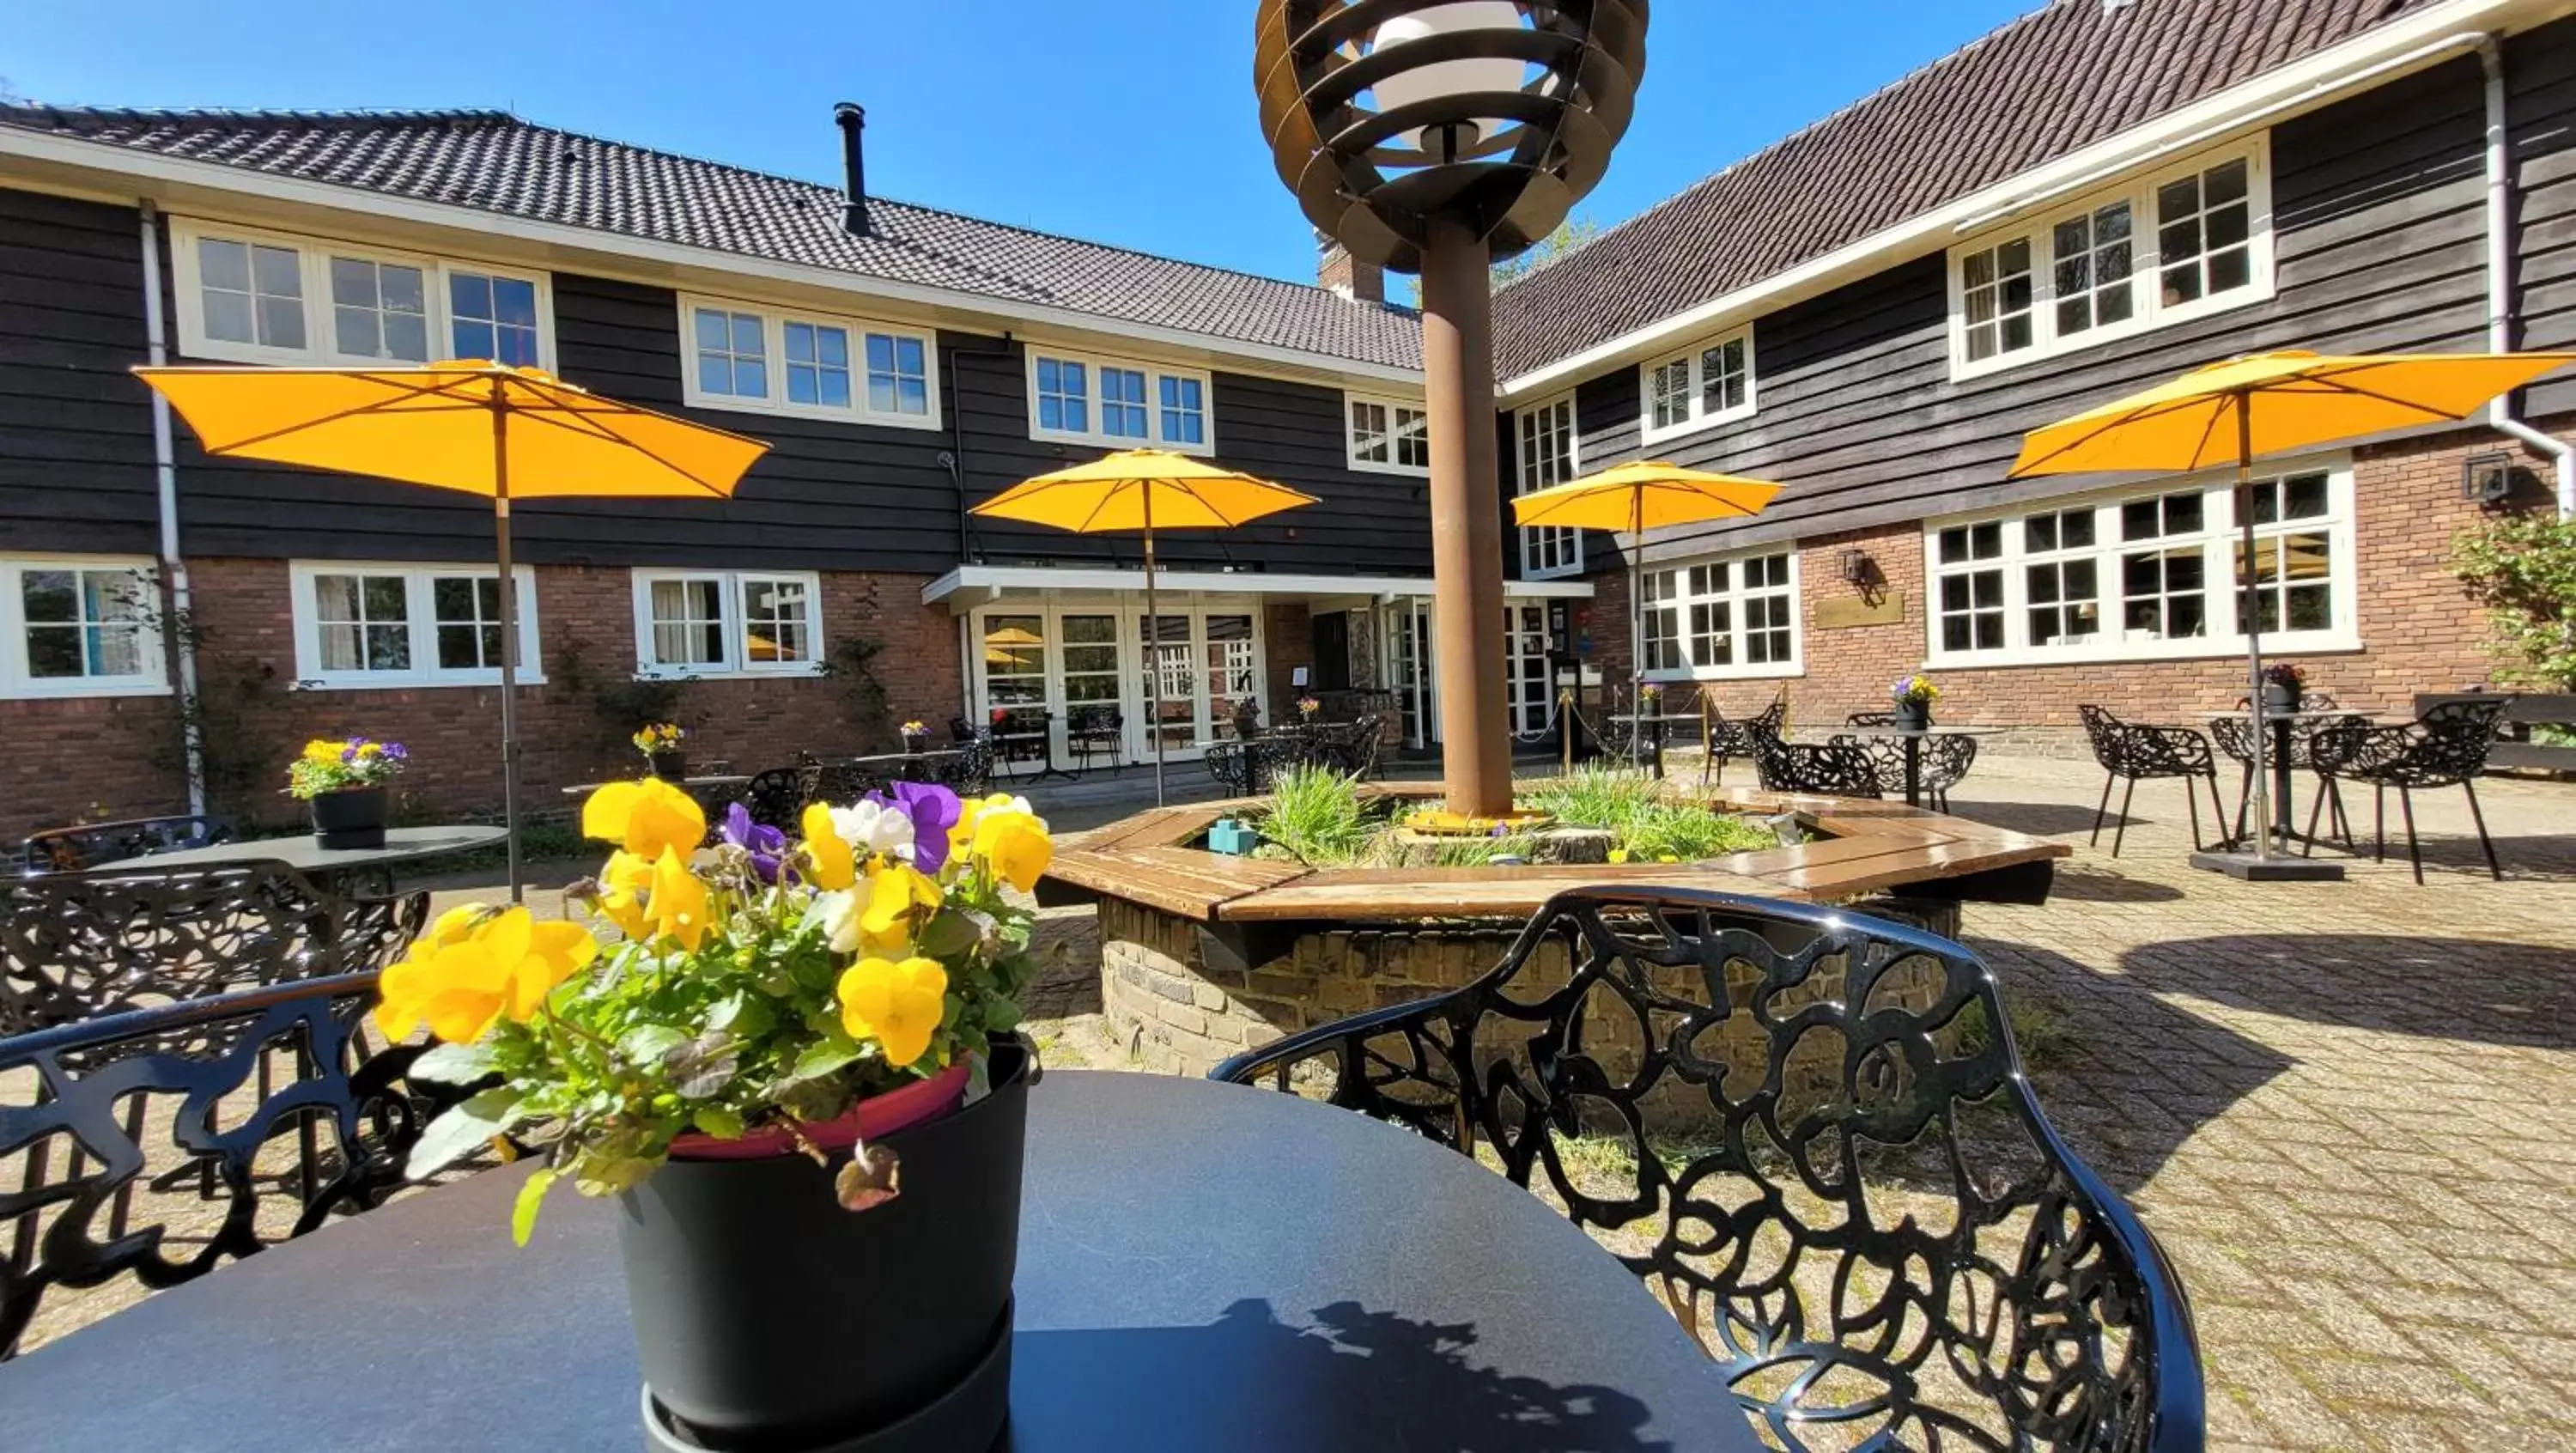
(1131, 123)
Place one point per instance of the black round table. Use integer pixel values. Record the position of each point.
(1202, 1267)
(302, 853)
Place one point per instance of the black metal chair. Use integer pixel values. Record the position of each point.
(2137, 752)
(78, 945)
(776, 796)
(1233, 766)
(1091, 731)
(1723, 740)
(970, 772)
(1943, 763)
(2234, 736)
(1870, 719)
(1836, 769)
(1023, 736)
(1878, 1238)
(72, 849)
(1356, 746)
(2446, 747)
(114, 1086)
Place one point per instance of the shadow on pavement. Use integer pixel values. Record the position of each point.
(2494, 992)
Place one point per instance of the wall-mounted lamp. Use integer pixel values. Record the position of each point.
(1861, 573)
(2487, 478)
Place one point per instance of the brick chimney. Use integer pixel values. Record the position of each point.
(1337, 271)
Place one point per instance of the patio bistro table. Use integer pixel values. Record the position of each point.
(711, 782)
(2284, 822)
(1912, 740)
(1654, 754)
(302, 853)
(1201, 1266)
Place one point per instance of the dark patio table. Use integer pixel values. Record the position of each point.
(1202, 1266)
(1912, 738)
(1651, 742)
(710, 782)
(2284, 781)
(302, 853)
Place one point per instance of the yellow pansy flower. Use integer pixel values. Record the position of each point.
(678, 906)
(961, 838)
(623, 887)
(830, 862)
(473, 967)
(899, 1005)
(645, 817)
(319, 750)
(1014, 843)
(894, 892)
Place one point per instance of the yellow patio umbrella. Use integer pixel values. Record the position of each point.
(1144, 489)
(2229, 413)
(473, 427)
(1636, 497)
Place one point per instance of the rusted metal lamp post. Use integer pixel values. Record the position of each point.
(1435, 136)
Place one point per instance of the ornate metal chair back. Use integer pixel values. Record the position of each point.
(1839, 768)
(1808, 1132)
(133, 1097)
(776, 796)
(2448, 745)
(77, 945)
(970, 772)
(74, 849)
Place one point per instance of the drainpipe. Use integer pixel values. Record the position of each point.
(165, 470)
(2500, 269)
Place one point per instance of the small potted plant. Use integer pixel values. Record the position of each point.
(1913, 700)
(2285, 685)
(1308, 708)
(343, 783)
(916, 736)
(775, 1026)
(664, 755)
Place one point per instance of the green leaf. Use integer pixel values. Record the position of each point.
(463, 1129)
(719, 1122)
(523, 1212)
(951, 933)
(649, 1044)
(453, 1064)
(831, 1052)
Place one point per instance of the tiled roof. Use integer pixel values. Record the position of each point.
(2051, 83)
(494, 162)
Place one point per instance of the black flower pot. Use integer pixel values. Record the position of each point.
(669, 766)
(2280, 698)
(1912, 716)
(768, 1318)
(913, 742)
(353, 817)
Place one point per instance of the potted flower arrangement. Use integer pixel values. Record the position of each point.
(1307, 709)
(916, 736)
(779, 1034)
(343, 783)
(2285, 685)
(1913, 699)
(663, 755)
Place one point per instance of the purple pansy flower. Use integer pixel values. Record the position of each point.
(767, 845)
(933, 810)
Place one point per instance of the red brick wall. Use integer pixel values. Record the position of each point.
(1288, 640)
(2419, 631)
(83, 757)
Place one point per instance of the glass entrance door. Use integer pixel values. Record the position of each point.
(1405, 668)
(1091, 679)
(1525, 667)
(1233, 674)
(1163, 644)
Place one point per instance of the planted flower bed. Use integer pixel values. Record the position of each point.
(1321, 819)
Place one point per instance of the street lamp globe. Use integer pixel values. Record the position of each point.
(1445, 83)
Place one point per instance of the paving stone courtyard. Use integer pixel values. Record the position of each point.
(2347, 1110)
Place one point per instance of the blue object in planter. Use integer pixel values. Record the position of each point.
(1234, 839)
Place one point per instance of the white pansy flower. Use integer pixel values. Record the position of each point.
(873, 827)
(839, 912)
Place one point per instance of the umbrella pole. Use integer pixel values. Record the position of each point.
(2251, 606)
(1153, 651)
(509, 637)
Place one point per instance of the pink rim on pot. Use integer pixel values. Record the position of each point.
(874, 1116)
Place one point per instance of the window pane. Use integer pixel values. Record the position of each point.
(50, 596)
(2306, 494)
(222, 264)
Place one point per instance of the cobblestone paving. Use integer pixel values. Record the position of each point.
(2345, 1109)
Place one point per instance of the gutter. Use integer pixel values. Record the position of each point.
(2500, 269)
(165, 472)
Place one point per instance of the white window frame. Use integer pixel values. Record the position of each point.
(1155, 373)
(2217, 539)
(1693, 360)
(736, 627)
(313, 269)
(419, 613)
(1735, 596)
(2147, 310)
(1535, 538)
(16, 680)
(773, 353)
(1351, 437)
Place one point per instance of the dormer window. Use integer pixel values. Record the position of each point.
(1706, 384)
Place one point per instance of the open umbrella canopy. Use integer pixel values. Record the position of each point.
(1137, 489)
(2289, 400)
(1643, 495)
(434, 425)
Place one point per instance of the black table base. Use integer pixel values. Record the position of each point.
(967, 1419)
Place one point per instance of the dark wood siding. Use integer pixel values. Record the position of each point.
(2379, 229)
(75, 429)
(76, 458)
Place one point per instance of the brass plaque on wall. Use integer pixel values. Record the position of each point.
(1843, 612)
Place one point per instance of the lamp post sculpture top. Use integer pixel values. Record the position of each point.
(1389, 118)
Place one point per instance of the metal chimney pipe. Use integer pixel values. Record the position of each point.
(852, 118)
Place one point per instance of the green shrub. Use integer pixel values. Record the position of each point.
(1642, 822)
(1316, 813)
(2522, 568)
